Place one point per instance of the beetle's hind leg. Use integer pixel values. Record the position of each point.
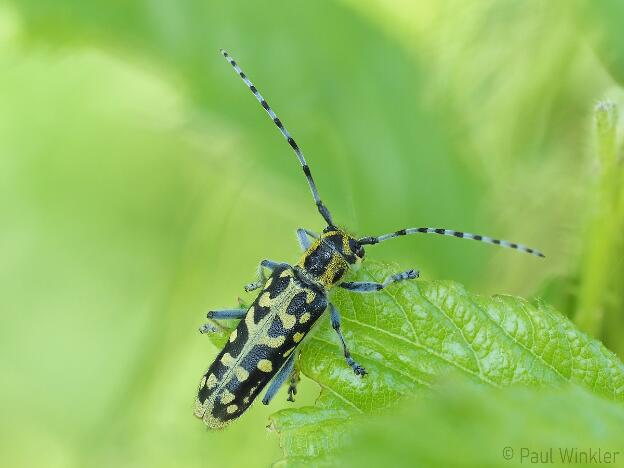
(334, 316)
(294, 379)
(269, 265)
(279, 379)
(222, 314)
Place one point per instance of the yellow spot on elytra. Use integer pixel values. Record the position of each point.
(265, 365)
(227, 397)
(304, 317)
(227, 360)
(241, 373)
(272, 342)
(231, 409)
(287, 353)
(265, 300)
(214, 422)
(286, 273)
(233, 335)
(211, 381)
(297, 337)
(288, 321)
(199, 409)
(310, 296)
(246, 400)
(250, 320)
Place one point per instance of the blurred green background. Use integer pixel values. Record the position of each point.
(140, 185)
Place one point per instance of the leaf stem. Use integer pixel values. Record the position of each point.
(600, 256)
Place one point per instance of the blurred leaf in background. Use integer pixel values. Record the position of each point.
(140, 184)
(468, 426)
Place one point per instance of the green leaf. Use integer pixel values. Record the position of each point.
(414, 333)
(474, 426)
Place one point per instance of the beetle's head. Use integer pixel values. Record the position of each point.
(344, 243)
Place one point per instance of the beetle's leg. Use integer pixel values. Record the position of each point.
(294, 379)
(303, 235)
(223, 314)
(279, 379)
(269, 265)
(226, 314)
(334, 316)
(365, 287)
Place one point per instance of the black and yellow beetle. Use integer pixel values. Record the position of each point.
(262, 349)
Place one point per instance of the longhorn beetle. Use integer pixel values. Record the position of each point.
(262, 349)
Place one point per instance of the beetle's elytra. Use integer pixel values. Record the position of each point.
(262, 349)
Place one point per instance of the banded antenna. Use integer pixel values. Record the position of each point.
(450, 232)
(304, 165)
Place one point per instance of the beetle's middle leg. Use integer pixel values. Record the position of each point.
(222, 314)
(269, 265)
(334, 316)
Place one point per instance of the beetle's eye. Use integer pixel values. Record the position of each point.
(360, 251)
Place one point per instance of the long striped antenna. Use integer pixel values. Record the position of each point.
(450, 232)
(304, 165)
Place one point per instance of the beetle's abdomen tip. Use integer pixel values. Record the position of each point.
(211, 422)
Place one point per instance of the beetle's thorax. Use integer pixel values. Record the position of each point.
(329, 257)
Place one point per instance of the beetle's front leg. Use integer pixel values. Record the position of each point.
(304, 236)
(269, 265)
(335, 322)
(365, 286)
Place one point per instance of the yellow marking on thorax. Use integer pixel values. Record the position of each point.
(346, 248)
(286, 273)
(233, 335)
(268, 283)
(336, 263)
